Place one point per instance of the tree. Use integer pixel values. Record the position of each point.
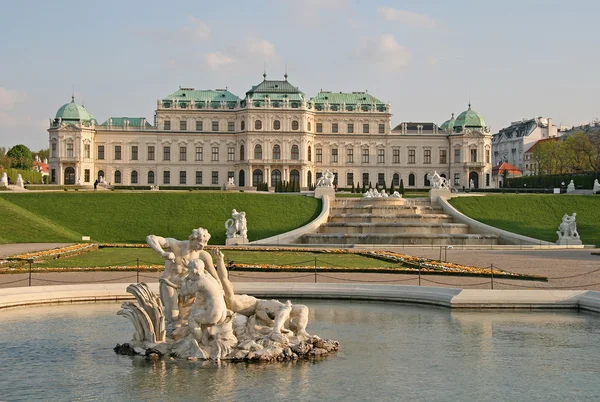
(364, 190)
(401, 191)
(20, 157)
(579, 152)
(43, 153)
(4, 160)
(504, 177)
(392, 189)
(352, 190)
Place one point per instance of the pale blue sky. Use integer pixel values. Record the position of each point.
(513, 58)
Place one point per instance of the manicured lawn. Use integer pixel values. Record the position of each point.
(107, 257)
(535, 215)
(128, 217)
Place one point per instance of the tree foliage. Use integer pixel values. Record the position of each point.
(20, 157)
(576, 153)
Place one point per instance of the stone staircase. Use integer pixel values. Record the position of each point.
(393, 222)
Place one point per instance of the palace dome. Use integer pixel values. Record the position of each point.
(469, 119)
(448, 125)
(73, 112)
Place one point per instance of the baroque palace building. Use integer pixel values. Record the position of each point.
(201, 138)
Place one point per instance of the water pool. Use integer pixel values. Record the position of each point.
(389, 352)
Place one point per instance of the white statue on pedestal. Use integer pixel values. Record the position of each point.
(236, 225)
(4, 180)
(326, 180)
(230, 182)
(596, 187)
(79, 181)
(571, 187)
(20, 181)
(568, 228)
(471, 184)
(438, 181)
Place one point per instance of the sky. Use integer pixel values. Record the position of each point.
(511, 59)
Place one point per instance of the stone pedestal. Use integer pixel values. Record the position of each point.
(324, 191)
(569, 242)
(230, 187)
(435, 193)
(236, 241)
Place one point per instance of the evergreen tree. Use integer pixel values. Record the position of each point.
(392, 189)
(384, 186)
(364, 189)
(370, 186)
(401, 190)
(377, 186)
(352, 189)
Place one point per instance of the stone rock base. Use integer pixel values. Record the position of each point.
(435, 193)
(236, 241)
(569, 242)
(324, 191)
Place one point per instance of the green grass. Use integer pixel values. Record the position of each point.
(128, 217)
(535, 215)
(106, 257)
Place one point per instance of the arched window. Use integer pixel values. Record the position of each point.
(258, 125)
(309, 153)
(69, 175)
(275, 177)
(309, 178)
(309, 126)
(295, 125)
(276, 152)
(243, 127)
(426, 181)
(134, 177)
(100, 174)
(258, 151)
(257, 177)
(276, 125)
(242, 152)
(294, 176)
(151, 177)
(117, 177)
(396, 179)
(295, 152)
(411, 179)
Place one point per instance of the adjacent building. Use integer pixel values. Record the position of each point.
(201, 138)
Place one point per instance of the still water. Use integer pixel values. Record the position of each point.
(389, 352)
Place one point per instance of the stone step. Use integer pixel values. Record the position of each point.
(381, 210)
(389, 218)
(381, 201)
(414, 228)
(400, 239)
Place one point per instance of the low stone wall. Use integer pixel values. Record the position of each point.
(447, 297)
(294, 235)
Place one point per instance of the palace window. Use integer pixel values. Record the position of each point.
(199, 155)
(350, 128)
(117, 151)
(349, 179)
(412, 156)
(457, 155)
(134, 177)
(182, 153)
(215, 177)
(411, 179)
(183, 125)
(396, 179)
(198, 177)
(199, 125)
(473, 155)
(334, 155)
(319, 127)
(53, 176)
(86, 150)
(86, 175)
(382, 129)
(381, 179)
(276, 125)
(258, 125)
(334, 127)
(295, 125)
(381, 156)
(182, 177)
(230, 175)
(487, 156)
(396, 156)
(215, 154)
(230, 154)
(365, 155)
(309, 153)
(54, 149)
(243, 125)
(457, 179)
(242, 152)
(258, 151)
(366, 128)
(276, 152)
(117, 177)
(350, 155)
(426, 181)
(166, 177)
(167, 125)
(215, 125)
(427, 156)
(151, 177)
(166, 153)
(134, 152)
(100, 151)
(70, 150)
(230, 125)
(295, 152)
(365, 179)
(319, 154)
(309, 126)
(443, 158)
(150, 152)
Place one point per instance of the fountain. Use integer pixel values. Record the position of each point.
(199, 317)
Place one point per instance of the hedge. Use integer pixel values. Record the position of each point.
(581, 180)
(32, 176)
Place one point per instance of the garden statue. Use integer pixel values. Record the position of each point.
(571, 187)
(236, 225)
(20, 181)
(438, 181)
(596, 187)
(205, 319)
(396, 195)
(4, 180)
(230, 182)
(567, 231)
(471, 184)
(326, 180)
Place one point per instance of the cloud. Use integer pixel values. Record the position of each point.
(9, 98)
(407, 18)
(218, 59)
(384, 51)
(261, 46)
(197, 30)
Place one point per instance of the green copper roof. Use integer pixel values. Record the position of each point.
(74, 112)
(133, 122)
(469, 119)
(272, 87)
(185, 96)
(347, 98)
(448, 125)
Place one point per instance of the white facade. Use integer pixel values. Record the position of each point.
(272, 134)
